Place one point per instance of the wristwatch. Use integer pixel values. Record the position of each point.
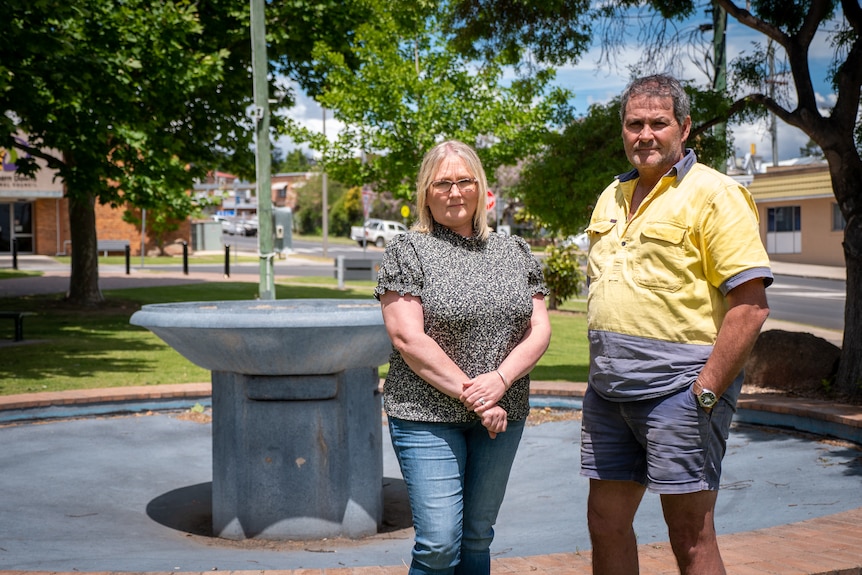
(705, 398)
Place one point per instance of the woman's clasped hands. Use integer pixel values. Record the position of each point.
(481, 395)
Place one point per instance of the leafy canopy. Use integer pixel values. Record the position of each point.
(409, 89)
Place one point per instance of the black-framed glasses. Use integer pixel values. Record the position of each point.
(464, 185)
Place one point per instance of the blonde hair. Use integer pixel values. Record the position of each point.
(430, 164)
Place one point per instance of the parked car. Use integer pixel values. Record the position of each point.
(239, 227)
(228, 226)
(377, 232)
(249, 227)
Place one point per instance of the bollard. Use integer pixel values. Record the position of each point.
(14, 253)
(227, 260)
(185, 258)
(128, 259)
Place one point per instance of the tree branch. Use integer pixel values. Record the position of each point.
(849, 85)
(853, 13)
(746, 18)
(737, 107)
(53, 162)
(819, 10)
(796, 46)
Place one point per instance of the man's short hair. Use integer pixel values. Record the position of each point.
(658, 86)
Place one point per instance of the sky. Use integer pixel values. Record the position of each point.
(593, 83)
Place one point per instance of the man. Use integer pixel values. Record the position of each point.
(677, 298)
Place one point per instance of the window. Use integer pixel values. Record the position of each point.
(785, 219)
(838, 221)
(784, 230)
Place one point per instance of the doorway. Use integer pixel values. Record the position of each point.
(16, 222)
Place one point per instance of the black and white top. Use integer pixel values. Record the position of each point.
(477, 303)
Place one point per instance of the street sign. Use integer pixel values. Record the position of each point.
(490, 201)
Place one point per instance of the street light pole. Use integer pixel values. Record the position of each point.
(262, 150)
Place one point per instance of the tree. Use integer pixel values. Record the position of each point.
(811, 150)
(792, 26)
(559, 186)
(122, 91)
(563, 273)
(293, 161)
(309, 204)
(407, 89)
(141, 98)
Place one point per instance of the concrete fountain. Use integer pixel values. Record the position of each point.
(297, 431)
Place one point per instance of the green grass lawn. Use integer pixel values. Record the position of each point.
(78, 349)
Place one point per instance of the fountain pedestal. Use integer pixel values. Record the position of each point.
(297, 430)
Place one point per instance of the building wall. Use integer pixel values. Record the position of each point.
(820, 244)
(52, 235)
(110, 226)
(51, 220)
(284, 187)
(810, 188)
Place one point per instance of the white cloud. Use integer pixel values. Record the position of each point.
(309, 114)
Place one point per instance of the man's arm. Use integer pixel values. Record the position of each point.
(747, 310)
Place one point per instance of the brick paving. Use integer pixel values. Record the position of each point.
(826, 545)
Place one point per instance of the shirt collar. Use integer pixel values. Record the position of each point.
(681, 168)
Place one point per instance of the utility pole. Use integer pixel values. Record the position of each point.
(325, 194)
(719, 47)
(773, 125)
(262, 151)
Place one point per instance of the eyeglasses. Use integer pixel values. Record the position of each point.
(465, 185)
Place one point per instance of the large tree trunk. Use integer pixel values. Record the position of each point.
(849, 378)
(846, 171)
(84, 279)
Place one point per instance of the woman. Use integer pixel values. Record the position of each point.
(465, 311)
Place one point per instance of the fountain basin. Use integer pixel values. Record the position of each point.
(297, 431)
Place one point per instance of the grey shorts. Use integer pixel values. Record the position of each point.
(668, 444)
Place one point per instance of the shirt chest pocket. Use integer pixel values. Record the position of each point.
(660, 260)
(602, 247)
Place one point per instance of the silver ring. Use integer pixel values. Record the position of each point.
(481, 401)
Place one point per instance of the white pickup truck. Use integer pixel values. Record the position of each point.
(377, 232)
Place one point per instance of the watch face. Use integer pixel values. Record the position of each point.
(706, 398)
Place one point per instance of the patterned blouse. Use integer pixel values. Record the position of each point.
(477, 303)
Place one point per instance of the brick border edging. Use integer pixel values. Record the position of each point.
(812, 416)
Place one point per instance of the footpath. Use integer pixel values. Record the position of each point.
(825, 544)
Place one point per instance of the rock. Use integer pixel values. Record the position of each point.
(789, 360)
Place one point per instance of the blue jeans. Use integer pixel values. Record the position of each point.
(456, 478)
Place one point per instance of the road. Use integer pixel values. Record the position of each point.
(809, 301)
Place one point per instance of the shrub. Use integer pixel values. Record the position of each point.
(563, 273)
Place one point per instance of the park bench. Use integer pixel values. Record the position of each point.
(18, 317)
(105, 246)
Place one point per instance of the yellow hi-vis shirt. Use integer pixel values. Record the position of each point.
(657, 282)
